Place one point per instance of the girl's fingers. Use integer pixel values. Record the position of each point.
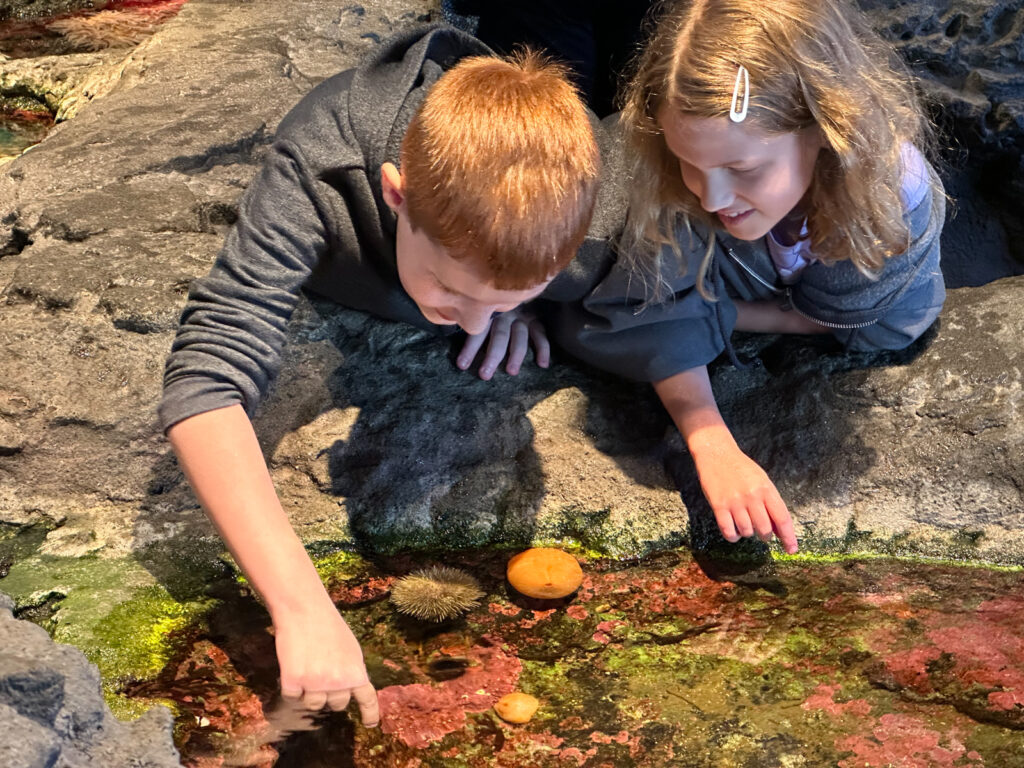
(761, 521)
(743, 525)
(782, 522)
(726, 525)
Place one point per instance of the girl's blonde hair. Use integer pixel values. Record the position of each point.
(812, 64)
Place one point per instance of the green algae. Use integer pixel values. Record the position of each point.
(139, 636)
(822, 558)
(114, 611)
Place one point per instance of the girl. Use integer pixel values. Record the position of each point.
(784, 136)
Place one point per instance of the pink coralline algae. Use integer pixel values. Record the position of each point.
(422, 713)
(603, 635)
(352, 596)
(823, 699)
(903, 741)
(979, 656)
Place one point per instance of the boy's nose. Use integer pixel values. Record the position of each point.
(474, 320)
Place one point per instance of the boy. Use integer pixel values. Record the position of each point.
(431, 186)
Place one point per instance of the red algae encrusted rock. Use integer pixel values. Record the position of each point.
(422, 713)
(907, 742)
(973, 660)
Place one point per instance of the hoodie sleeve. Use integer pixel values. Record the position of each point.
(228, 345)
(893, 309)
(618, 328)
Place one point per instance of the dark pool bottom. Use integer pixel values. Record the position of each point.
(862, 663)
(19, 132)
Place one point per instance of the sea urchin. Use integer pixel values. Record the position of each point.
(436, 593)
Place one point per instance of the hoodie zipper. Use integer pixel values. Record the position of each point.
(789, 299)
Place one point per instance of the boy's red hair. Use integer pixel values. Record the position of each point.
(500, 167)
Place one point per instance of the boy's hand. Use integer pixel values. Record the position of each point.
(322, 664)
(510, 334)
(744, 499)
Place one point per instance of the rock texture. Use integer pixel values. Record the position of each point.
(50, 697)
(968, 54)
(374, 437)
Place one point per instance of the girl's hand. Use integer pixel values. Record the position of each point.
(744, 499)
(322, 664)
(510, 334)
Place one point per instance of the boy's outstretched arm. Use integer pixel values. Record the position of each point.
(743, 498)
(320, 658)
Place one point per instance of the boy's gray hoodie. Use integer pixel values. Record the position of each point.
(314, 219)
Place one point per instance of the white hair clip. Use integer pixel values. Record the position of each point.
(739, 115)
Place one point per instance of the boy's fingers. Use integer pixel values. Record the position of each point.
(541, 346)
(519, 342)
(469, 350)
(366, 698)
(314, 700)
(338, 700)
(290, 689)
(496, 348)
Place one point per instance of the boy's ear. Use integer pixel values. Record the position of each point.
(393, 187)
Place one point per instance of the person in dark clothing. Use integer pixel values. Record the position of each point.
(434, 185)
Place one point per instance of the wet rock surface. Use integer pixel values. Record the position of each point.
(377, 441)
(52, 712)
(34, 9)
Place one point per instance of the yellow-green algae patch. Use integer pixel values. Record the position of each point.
(113, 610)
(820, 558)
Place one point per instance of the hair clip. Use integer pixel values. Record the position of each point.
(738, 116)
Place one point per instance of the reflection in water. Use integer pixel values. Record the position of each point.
(18, 133)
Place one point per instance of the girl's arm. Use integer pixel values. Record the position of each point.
(769, 317)
(741, 496)
(320, 658)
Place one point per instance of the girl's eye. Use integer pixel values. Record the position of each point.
(744, 171)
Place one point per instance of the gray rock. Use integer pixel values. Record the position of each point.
(373, 436)
(35, 746)
(103, 227)
(50, 697)
(968, 56)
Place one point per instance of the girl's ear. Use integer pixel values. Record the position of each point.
(392, 186)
